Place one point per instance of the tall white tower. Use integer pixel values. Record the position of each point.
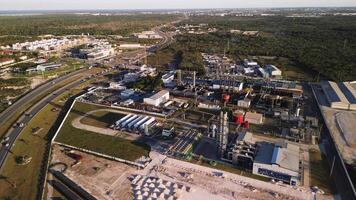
(222, 136)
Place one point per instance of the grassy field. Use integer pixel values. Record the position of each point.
(101, 119)
(319, 172)
(26, 177)
(113, 146)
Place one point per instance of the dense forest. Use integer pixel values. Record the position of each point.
(325, 45)
(13, 28)
(148, 83)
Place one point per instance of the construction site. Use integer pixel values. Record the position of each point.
(163, 178)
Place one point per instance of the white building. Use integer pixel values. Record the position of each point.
(169, 77)
(249, 63)
(148, 35)
(254, 118)
(157, 98)
(278, 162)
(248, 70)
(100, 53)
(128, 102)
(237, 86)
(50, 44)
(273, 70)
(131, 46)
(48, 67)
(208, 106)
(244, 103)
(167, 132)
(117, 86)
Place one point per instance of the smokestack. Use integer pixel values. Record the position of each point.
(179, 77)
(297, 112)
(194, 77)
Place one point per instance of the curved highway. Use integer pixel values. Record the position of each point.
(14, 132)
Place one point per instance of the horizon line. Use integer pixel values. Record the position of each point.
(162, 9)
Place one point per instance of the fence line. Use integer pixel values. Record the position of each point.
(101, 155)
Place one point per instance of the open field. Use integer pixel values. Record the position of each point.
(102, 119)
(113, 146)
(104, 178)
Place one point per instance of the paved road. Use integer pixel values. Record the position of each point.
(13, 133)
(6, 114)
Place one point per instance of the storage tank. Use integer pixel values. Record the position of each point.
(226, 98)
(213, 129)
(238, 117)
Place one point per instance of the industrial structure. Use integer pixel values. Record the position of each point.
(279, 162)
(158, 98)
(223, 133)
(340, 95)
(135, 123)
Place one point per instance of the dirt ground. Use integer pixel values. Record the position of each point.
(102, 178)
(110, 180)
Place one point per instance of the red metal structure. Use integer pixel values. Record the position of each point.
(238, 117)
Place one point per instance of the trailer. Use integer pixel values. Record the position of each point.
(139, 123)
(123, 124)
(168, 103)
(129, 126)
(117, 123)
(148, 122)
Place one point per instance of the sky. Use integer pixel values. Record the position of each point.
(165, 4)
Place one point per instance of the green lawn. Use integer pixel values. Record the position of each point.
(320, 171)
(101, 119)
(26, 177)
(113, 146)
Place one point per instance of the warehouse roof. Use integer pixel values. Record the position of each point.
(159, 94)
(245, 137)
(349, 91)
(285, 157)
(253, 116)
(333, 92)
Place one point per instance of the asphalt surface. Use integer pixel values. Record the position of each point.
(6, 114)
(14, 132)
